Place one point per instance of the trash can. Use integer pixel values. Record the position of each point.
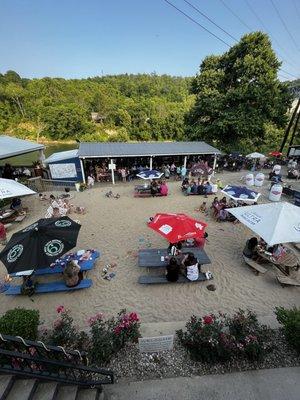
(259, 179)
(249, 179)
(275, 192)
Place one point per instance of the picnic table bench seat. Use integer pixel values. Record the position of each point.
(85, 265)
(160, 279)
(286, 281)
(146, 194)
(50, 287)
(152, 258)
(258, 269)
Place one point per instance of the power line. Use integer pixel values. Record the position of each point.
(284, 24)
(294, 76)
(195, 22)
(296, 8)
(210, 20)
(271, 36)
(233, 13)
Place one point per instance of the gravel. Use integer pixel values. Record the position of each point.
(130, 364)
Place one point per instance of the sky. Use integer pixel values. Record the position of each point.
(84, 38)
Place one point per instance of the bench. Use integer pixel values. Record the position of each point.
(297, 246)
(86, 265)
(258, 269)
(158, 279)
(50, 287)
(146, 194)
(152, 258)
(286, 281)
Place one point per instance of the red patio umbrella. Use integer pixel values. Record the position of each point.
(275, 153)
(177, 227)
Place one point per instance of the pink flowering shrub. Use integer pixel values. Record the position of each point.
(64, 332)
(110, 335)
(219, 338)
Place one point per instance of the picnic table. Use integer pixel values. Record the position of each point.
(155, 258)
(142, 188)
(285, 263)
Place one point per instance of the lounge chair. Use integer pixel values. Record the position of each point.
(152, 258)
(50, 287)
(148, 280)
(286, 281)
(86, 265)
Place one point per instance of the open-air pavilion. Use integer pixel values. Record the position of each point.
(11, 147)
(113, 153)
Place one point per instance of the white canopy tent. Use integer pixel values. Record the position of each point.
(274, 222)
(10, 188)
(255, 155)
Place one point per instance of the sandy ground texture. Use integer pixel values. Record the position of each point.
(117, 227)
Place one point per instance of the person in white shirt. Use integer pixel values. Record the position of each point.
(191, 267)
(90, 181)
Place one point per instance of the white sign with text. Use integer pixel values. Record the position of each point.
(156, 344)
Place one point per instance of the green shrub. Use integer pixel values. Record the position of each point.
(219, 338)
(20, 322)
(110, 335)
(290, 319)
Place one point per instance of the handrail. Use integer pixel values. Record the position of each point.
(34, 359)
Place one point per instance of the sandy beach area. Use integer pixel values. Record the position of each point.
(117, 227)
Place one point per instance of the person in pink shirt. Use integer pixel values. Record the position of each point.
(164, 189)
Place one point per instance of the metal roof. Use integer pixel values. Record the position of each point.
(11, 146)
(61, 155)
(142, 149)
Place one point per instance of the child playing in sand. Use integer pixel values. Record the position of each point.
(202, 207)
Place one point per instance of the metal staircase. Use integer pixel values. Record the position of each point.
(35, 371)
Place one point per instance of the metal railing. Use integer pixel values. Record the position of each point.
(52, 363)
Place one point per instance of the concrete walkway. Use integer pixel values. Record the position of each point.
(270, 384)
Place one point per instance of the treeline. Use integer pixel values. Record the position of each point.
(235, 102)
(129, 107)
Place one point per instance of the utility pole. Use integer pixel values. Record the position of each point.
(287, 131)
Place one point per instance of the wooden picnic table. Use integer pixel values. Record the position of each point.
(152, 258)
(142, 188)
(285, 263)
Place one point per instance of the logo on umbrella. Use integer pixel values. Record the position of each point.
(53, 248)
(63, 223)
(166, 229)
(30, 227)
(199, 226)
(14, 253)
(297, 228)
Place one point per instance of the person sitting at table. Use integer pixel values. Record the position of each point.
(193, 187)
(154, 188)
(72, 274)
(28, 285)
(190, 266)
(185, 184)
(250, 249)
(207, 188)
(172, 270)
(223, 202)
(16, 204)
(200, 189)
(164, 189)
(174, 249)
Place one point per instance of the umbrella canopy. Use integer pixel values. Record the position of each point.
(255, 155)
(177, 227)
(201, 169)
(241, 193)
(274, 222)
(40, 244)
(150, 174)
(10, 188)
(275, 153)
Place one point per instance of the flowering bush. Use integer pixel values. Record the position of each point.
(290, 319)
(64, 333)
(219, 338)
(110, 335)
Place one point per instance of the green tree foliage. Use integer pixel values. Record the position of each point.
(238, 95)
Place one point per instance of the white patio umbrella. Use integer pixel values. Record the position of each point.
(255, 155)
(10, 188)
(274, 222)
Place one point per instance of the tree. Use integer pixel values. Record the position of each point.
(238, 94)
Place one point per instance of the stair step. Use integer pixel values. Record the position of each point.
(4, 381)
(45, 391)
(66, 392)
(21, 389)
(86, 394)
